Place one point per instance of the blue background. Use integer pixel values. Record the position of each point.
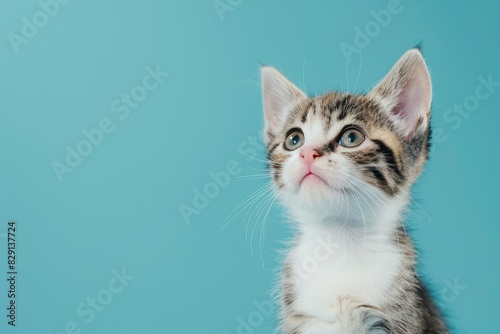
(119, 208)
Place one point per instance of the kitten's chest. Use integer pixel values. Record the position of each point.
(330, 281)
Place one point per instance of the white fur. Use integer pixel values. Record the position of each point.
(362, 259)
(360, 267)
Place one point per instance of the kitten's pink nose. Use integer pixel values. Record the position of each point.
(309, 154)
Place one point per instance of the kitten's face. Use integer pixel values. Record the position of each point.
(347, 156)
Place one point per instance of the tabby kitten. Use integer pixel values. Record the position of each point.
(343, 165)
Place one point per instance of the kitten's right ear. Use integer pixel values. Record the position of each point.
(406, 92)
(279, 96)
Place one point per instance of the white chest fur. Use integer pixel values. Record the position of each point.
(333, 274)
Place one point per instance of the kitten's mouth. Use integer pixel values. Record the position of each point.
(310, 176)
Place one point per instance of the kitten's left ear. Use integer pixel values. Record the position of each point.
(279, 97)
(406, 92)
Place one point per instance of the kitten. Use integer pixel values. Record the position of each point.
(343, 166)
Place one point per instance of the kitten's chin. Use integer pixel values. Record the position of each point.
(314, 195)
(315, 200)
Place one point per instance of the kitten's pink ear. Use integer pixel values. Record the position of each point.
(279, 96)
(406, 92)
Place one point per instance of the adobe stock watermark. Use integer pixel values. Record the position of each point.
(201, 197)
(88, 310)
(323, 251)
(94, 137)
(450, 293)
(30, 26)
(460, 111)
(249, 148)
(223, 6)
(363, 36)
(247, 325)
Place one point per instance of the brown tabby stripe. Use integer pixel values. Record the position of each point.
(341, 106)
(306, 111)
(364, 157)
(381, 181)
(379, 176)
(271, 149)
(389, 159)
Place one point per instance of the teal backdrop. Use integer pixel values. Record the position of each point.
(130, 131)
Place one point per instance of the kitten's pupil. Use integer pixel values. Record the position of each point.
(294, 140)
(351, 138)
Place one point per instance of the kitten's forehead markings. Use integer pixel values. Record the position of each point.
(307, 111)
(336, 127)
(313, 128)
(327, 112)
(337, 105)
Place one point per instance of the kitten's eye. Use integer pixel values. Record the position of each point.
(351, 138)
(294, 140)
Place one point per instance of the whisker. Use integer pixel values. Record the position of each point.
(251, 177)
(359, 70)
(262, 205)
(267, 162)
(279, 65)
(347, 75)
(263, 226)
(303, 76)
(360, 208)
(244, 203)
(255, 83)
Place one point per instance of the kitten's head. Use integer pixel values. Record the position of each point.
(347, 156)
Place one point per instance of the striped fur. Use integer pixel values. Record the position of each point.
(365, 281)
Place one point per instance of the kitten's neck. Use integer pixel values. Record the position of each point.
(374, 221)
